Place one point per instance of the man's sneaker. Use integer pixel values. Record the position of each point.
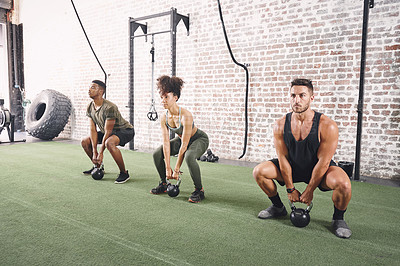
(161, 188)
(122, 178)
(88, 172)
(341, 229)
(197, 196)
(272, 212)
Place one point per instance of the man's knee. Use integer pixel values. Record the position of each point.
(338, 180)
(111, 143)
(266, 170)
(86, 143)
(261, 171)
(257, 172)
(343, 185)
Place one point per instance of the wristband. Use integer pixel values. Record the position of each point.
(290, 190)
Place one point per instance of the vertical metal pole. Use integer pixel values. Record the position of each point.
(131, 84)
(173, 51)
(15, 49)
(12, 129)
(173, 41)
(367, 4)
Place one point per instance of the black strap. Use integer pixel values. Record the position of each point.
(152, 114)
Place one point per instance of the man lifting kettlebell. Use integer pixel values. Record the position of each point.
(305, 142)
(114, 130)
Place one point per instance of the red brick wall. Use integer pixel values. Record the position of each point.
(281, 40)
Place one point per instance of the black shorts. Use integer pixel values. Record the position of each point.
(297, 179)
(125, 135)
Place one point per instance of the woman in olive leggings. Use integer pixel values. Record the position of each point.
(190, 143)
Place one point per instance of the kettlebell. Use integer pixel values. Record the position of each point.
(173, 190)
(300, 217)
(97, 172)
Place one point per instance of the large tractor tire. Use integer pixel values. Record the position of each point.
(48, 114)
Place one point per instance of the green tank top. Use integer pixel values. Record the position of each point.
(177, 130)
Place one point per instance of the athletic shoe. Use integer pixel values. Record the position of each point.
(88, 172)
(272, 212)
(341, 229)
(160, 189)
(122, 178)
(197, 196)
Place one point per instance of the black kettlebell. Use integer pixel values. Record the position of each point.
(173, 190)
(300, 217)
(203, 158)
(97, 173)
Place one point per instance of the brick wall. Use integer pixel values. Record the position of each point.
(281, 40)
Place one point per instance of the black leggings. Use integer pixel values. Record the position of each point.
(197, 146)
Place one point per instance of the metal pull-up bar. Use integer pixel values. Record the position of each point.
(151, 16)
(152, 34)
(175, 18)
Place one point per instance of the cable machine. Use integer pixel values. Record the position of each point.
(175, 18)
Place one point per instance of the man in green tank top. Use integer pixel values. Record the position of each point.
(114, 130)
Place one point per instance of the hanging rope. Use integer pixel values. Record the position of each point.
(247, 78)
(87, 38)
(152, 114)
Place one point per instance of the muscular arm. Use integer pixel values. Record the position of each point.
(166, 146)
(108, 128)
(93, 138)
(282, 152)
(329, 135)
(283, 157)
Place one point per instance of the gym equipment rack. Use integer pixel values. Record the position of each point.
(175, 18)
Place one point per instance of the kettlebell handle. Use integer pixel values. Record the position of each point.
(95, 166)
(177, 182)
(308, 209)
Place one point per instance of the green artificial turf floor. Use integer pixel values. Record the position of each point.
(51, 214)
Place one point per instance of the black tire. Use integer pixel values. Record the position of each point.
(48, 114)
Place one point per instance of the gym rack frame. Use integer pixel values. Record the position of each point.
(7, 120)
(175, 18)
